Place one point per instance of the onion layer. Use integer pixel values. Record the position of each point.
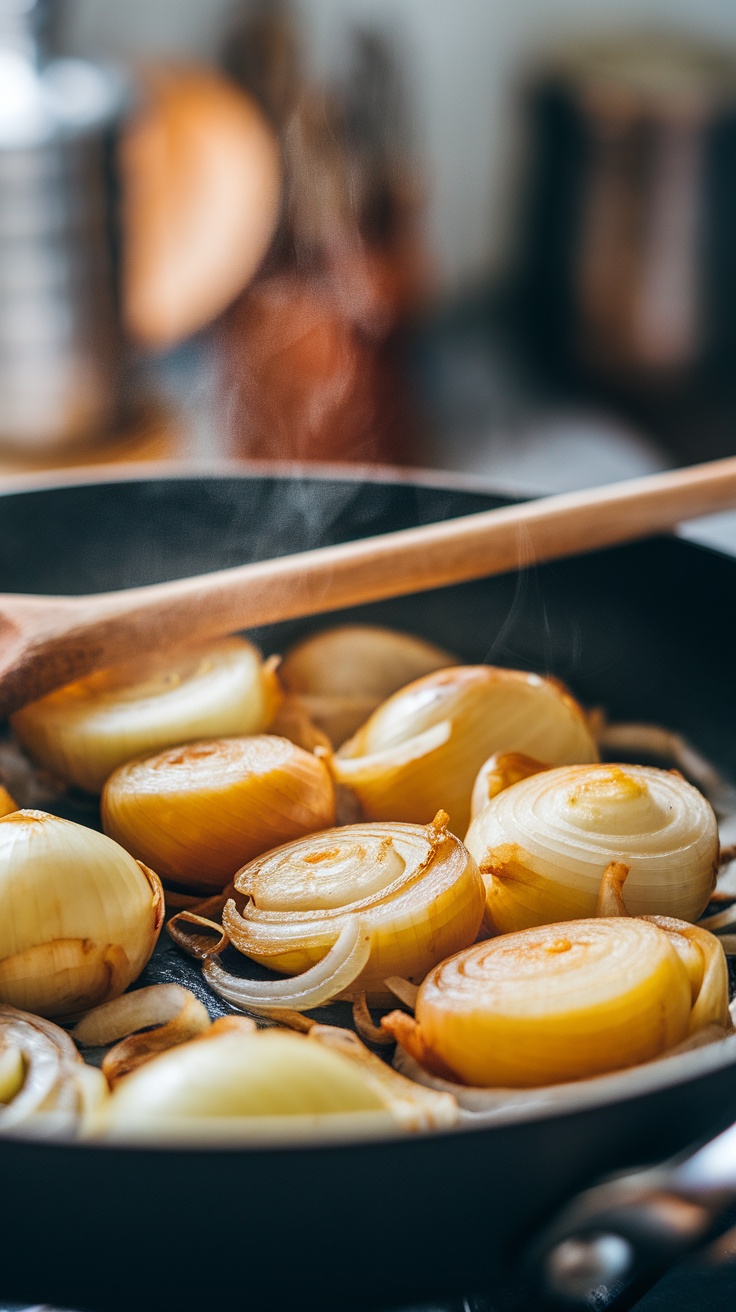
(414, 889)
(80, 916)
(330, 977)
(84, 731)
(543, 843)
(422, 748)
(43, 1072)
(174, 1011)
(197, 812)
(564, 1002)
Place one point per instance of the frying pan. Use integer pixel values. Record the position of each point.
(646, 631)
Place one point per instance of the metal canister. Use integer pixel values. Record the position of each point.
(630, 263)
(61, 347)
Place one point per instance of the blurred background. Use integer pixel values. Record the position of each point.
(488, 236)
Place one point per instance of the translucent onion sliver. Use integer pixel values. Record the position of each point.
(335, 972)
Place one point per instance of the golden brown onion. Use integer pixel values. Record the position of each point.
(422, 748)
(200, 811)
(542, 844)
(84, 731)
(80, 917)
(393, 899)
(564, 1002)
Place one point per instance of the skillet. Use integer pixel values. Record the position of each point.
(647, 632)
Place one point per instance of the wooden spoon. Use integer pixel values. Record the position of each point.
(48, 641)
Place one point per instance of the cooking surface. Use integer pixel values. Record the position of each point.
(627, 629)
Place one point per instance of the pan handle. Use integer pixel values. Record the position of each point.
(642, 1222)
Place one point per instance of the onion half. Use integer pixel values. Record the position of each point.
(279, 1082)
(422, 748)
(80, 918)
(565, 1002)
(198, 812)
(82, 732)
(542, 844)
(411, 893)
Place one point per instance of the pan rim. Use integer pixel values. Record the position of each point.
(49, 480)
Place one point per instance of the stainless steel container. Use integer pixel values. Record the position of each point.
(630, 265)
(61, 348)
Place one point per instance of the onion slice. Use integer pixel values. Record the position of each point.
(175, 1011)
(54, 1071)
(363, 1022)
(314, 987)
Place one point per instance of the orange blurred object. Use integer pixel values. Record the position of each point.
(315, 349)
(201, 193)
(307, 382)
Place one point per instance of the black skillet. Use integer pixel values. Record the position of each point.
(646, 631)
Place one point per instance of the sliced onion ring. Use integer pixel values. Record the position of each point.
(173, 1009)
(314, 987)
(52, 1066)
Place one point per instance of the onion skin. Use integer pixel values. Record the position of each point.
(422, 748)
(84, 731)
(416, 890)
(80, 916)
(543, 843)
(198, 812)
(565, 1002)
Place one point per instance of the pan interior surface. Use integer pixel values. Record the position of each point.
(644, 631)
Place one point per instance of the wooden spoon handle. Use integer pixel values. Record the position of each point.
(74, 636)
(432, 556)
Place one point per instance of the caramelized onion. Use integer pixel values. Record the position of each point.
(564, 1002)
(341, 675)
(414, 889)
(422, 748)
(80, 918)
(82, 732)
(198, 812)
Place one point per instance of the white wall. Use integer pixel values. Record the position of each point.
(465, 57)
